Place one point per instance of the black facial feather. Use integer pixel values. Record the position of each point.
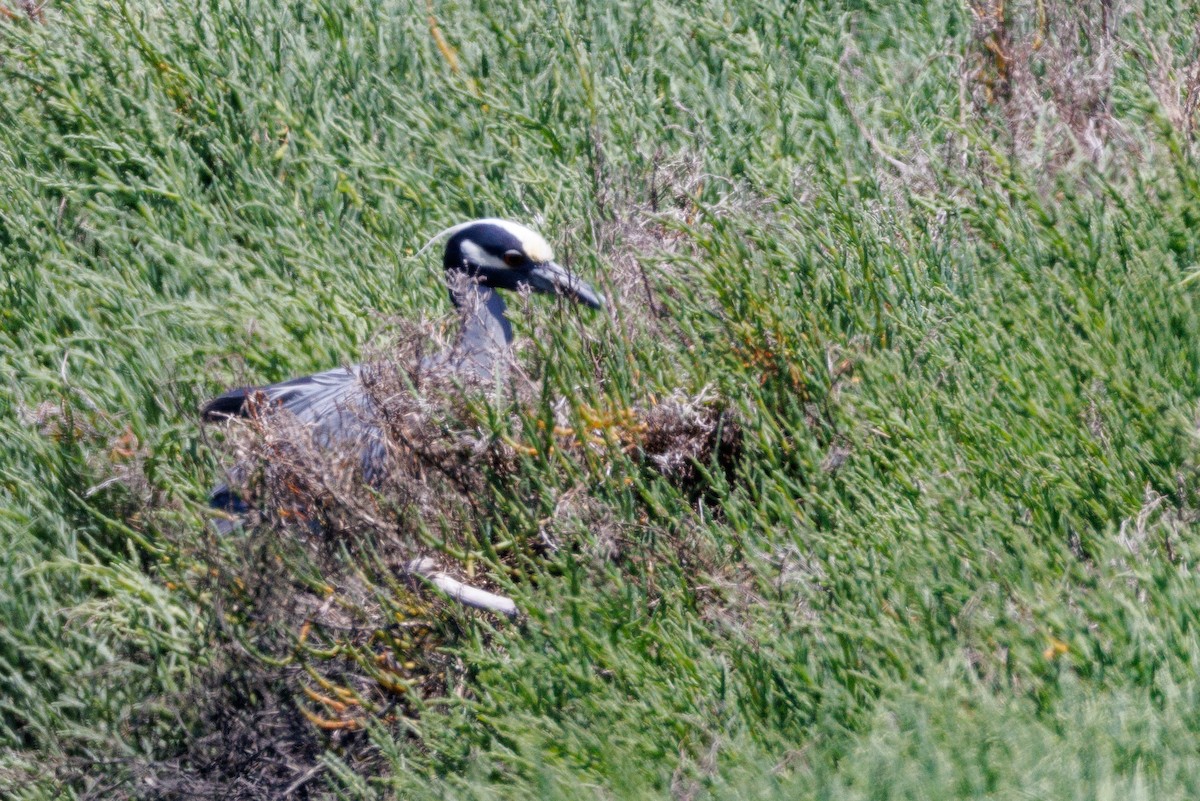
(492, 239)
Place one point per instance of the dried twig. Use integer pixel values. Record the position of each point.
(465, 594)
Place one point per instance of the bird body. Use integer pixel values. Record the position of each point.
(481, 257)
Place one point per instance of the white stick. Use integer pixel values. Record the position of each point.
(463, 593)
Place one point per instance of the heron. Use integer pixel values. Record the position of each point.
(481, 257)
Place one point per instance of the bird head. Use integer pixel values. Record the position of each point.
(505, 255)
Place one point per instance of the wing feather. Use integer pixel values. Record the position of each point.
(334, 403)
(309, 397)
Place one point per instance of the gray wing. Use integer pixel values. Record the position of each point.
(335, 403)
(310, 398)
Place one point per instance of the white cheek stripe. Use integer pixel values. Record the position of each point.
(479, 256)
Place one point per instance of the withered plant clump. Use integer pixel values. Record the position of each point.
(1048, 69)
(678, 436)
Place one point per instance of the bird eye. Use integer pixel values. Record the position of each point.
(514, 258)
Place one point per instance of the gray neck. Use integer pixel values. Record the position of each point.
(486, 335)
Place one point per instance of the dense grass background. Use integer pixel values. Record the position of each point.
(934, 257)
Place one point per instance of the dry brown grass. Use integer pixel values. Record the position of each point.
(1172, 71)
(1042, 73)
(441, 460)
(26, 10)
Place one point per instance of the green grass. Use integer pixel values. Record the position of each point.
(954, 558)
